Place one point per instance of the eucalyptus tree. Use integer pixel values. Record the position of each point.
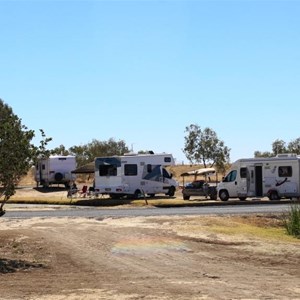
(204, 147)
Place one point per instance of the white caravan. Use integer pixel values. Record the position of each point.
(133, 175)
(275, 177)
(55, 170)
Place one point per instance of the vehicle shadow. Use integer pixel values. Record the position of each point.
(107, 201)
(100, 202)
(50, 189)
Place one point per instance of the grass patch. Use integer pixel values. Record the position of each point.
(251, 230)
(252, 227)
(291, 220)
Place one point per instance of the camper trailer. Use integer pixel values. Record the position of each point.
(276, 177)
(55, 170)
(133, 175)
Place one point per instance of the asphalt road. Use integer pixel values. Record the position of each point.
(32, 211)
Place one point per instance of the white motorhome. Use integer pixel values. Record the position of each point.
(55, 169)
(275, 177)
(133, 175)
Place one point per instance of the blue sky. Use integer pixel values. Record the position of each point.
(142, 71)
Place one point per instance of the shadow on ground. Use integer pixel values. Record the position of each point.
(105, 201)
(12, 265)
(50, 189)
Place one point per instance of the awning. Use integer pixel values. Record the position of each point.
(85, 169)
(203, 171)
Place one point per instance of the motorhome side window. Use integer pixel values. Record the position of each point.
(286, 171)
(108, 170)
(243, 172)
(149, 168)
(43, 167)
(231, 176)
(167, 159)
(130, 170)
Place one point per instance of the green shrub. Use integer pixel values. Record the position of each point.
(291, 220)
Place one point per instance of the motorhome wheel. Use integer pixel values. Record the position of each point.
(137, 194)
(171, 191)
(224, 195)
(273, 196)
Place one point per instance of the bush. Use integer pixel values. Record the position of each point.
(291, 220)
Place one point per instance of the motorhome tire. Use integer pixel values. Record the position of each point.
(58, 176)
(224, 196)
(171, 191)
(136, 194)
(242, 198)
(274, 196)
(186, 197)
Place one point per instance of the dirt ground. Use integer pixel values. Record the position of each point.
(194, 257)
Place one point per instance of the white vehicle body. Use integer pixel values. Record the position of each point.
(55, 170)
(276, 177)
(134, 174)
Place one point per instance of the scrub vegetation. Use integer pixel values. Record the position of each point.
(291, 220)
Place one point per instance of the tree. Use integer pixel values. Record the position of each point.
(294, 146)
(204, 147)
(87, 153)
(16, 151)
(279, 147)
(263, 154)
(61, 150)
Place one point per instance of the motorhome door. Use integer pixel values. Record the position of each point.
(242, 182)
(258, 181)
(254, 181)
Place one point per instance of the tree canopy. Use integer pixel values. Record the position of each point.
(86, 153)
(279, 147)
(16, 151)
(204, 147)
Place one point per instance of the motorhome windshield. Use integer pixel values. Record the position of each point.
(230, 177)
